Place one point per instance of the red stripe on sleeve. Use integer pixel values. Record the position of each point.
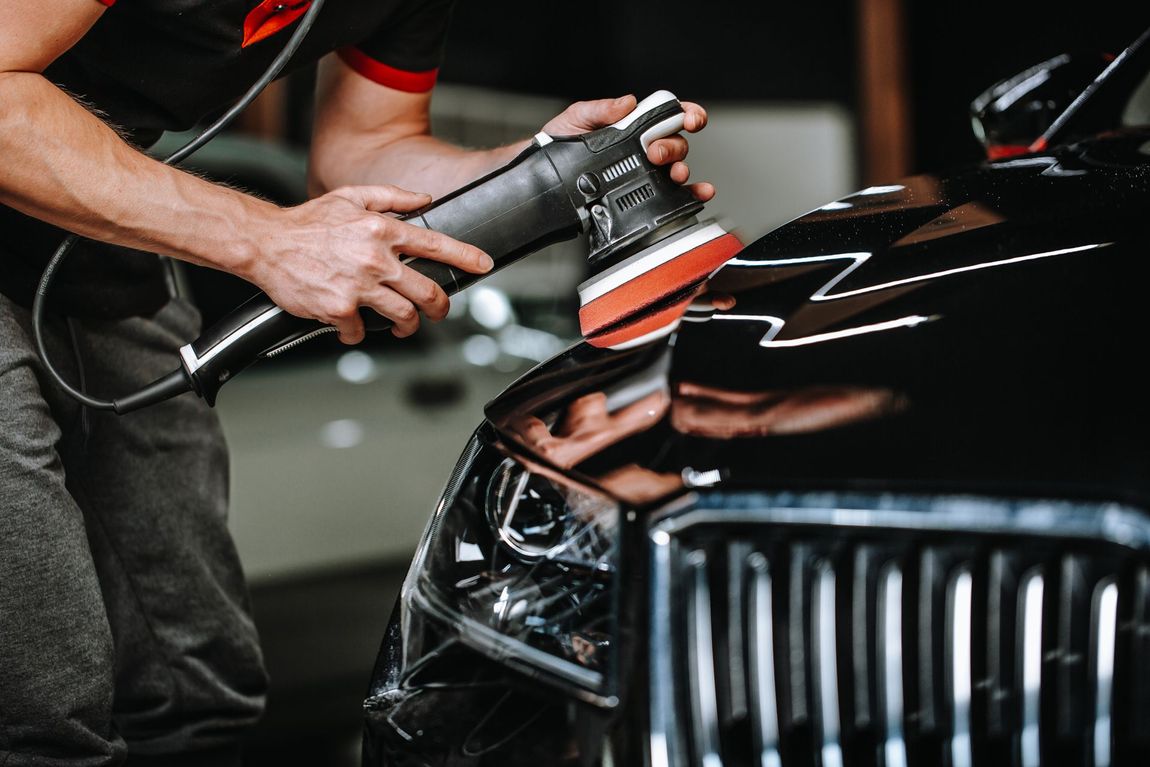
(108, 3)
(400, 79)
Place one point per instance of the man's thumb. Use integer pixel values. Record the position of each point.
(614, 110)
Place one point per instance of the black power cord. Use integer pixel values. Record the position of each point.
(175, 380)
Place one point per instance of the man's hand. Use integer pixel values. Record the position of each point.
(329, 256)
(585, 116)
(588, 427)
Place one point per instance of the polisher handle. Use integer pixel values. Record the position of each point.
(510, 213)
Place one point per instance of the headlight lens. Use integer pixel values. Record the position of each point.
(522, 567)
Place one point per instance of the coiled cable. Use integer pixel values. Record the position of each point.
(39, 301)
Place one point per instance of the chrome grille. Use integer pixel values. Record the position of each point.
(822, 630)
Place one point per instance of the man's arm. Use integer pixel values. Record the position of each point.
(322, 259)
(368, 133)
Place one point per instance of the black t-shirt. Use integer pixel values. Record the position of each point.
(151, 66)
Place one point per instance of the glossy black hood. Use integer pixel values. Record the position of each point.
(979, 332)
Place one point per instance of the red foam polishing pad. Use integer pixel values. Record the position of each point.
(643, 328)
(652, 276)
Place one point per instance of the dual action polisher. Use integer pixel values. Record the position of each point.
(649, 252)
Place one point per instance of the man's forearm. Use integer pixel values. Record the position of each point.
(417, 162)
(65, 166)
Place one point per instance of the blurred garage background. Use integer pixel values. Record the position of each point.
(338, 454)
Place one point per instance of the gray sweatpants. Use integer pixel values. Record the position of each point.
(125, 628)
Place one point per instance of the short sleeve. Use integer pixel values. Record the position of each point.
(405, 51)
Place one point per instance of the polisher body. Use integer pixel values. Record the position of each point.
(601, 183)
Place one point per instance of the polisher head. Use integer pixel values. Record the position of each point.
(621, 306)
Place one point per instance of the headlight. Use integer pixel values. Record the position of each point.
(521, 567)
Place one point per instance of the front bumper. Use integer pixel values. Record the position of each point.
(826, 629)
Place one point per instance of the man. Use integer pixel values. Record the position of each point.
(124, 625)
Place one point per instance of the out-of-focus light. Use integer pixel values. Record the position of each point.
(342, 433)
(529, 343)
(481, 350)
(356, 367)
(458, 308)
(490, 307)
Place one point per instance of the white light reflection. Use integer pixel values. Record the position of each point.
(480, 350)
(468, 552)
(836, 205)
(768, 341)
(356, 367)
(342, 434)
(879, 190)
(709, 478)
(1030, 611)
(500, 605)
(490, 307)
(1021, 89)
(1026, 162)
(529, 343)
(858, 259)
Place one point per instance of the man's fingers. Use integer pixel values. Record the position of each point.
(402, 312)
(533, 430)
(668, 150)
(695, 118)
(680, 173)
(422, 291)
(425, 243)
(703, 191)
(351, 329)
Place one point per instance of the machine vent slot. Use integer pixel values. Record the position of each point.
(621, 168)
(633, 198)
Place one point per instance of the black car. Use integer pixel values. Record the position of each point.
(882, 499)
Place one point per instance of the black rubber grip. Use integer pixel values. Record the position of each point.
(513, 212)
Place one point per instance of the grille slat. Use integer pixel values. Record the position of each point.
(1030, 643)
(1103, 644)
(760, 634)
(833, 643)
(995, 697)
(1068, 689)
(797, 737)
(825, 663)
(890, 660)
(704, 696)
(960, 620)
(736, 661)
(861, 643)
(927, 712)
